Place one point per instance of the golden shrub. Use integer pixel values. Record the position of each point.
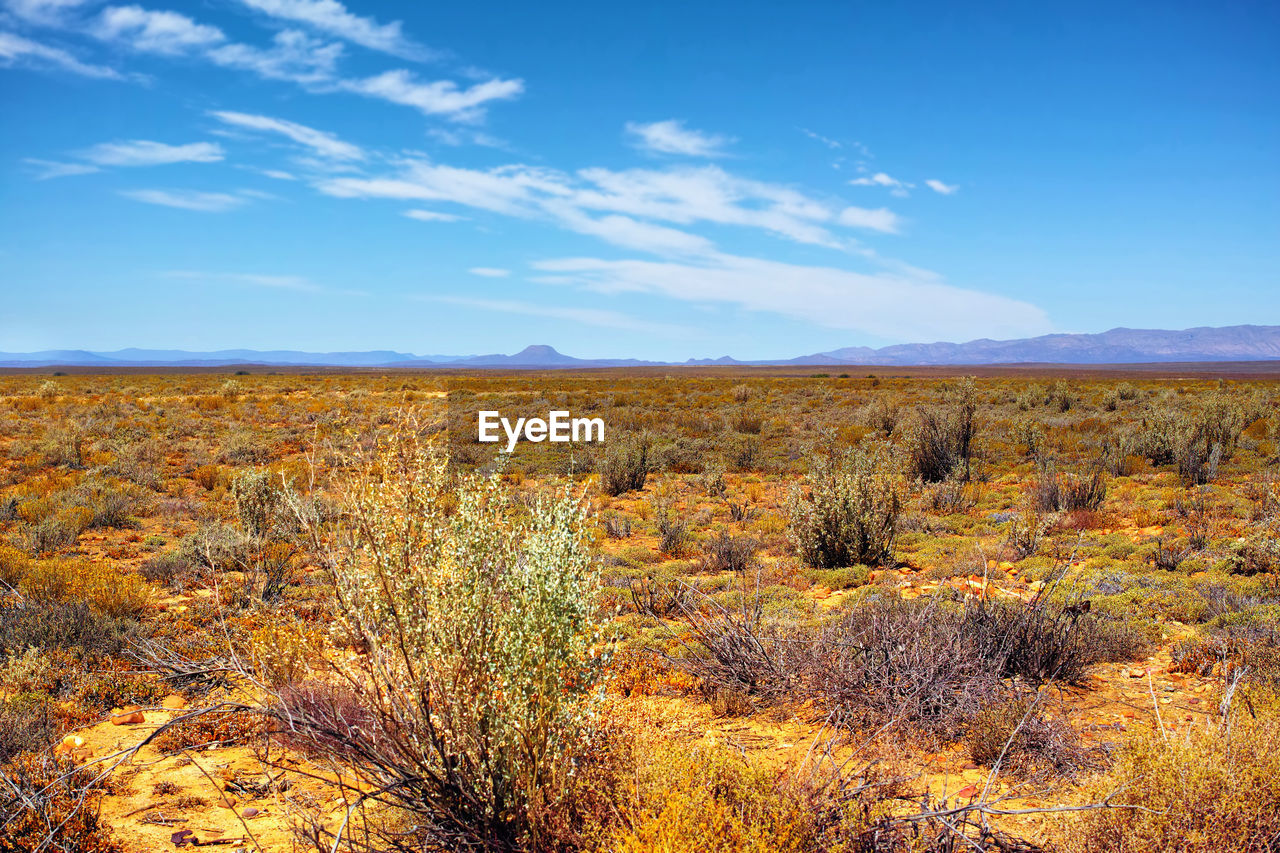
(105, 588)
(283, 652)
(1202, 790)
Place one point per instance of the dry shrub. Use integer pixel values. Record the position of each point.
(911, 662)
(230, 727)
(209, 477)
(626, 466)
(711, 798)
(107, 690)
(46, 805)
(27, 724)
(104, 587)
(673, 528)
(1026, 740)
(13, 565)
(1253, 648)
(285, 651)
(924, 663)
(727, 648)
(54, 625)
(941, 443)
(1201, 790)
(726, 552)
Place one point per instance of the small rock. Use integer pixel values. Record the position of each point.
(70, 743)
(127, 716)
(174, 702)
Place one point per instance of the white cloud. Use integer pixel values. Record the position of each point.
(489, 272)
(512, 190)
(439, 97)
(431, 216)
(46, 169)
(203, 202)
(684, 196)
(884, 305)
(632, 234)
(279, 174)
(142, 152)
(939, 187)
(881, 219)
(42, 12)
(153, 31)
(708, 194)
(585, 316)
(672, 137)
(293, 56)
(321, 142)
(16, 49)
(879, 179)
(335, 19)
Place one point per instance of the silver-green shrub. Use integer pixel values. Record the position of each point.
(847, 513)
(480, 646)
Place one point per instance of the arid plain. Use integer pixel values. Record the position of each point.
(900, 610)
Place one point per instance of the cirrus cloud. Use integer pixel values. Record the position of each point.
(672, 137)
(333, 18)
(143, 152)
(203, 202)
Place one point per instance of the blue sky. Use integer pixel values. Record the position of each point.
(658, 180)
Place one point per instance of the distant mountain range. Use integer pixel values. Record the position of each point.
(1117, 346)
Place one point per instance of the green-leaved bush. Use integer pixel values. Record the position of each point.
(475, 697)
(847, 513)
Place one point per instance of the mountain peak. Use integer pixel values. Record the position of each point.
(539, 351)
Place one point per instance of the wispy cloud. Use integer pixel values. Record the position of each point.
(880, 219)
(275, 282)
(431, 216)
(830, 143)
(45, 13)
(204, 202)
(939, 187)
(46, 169)
(883, 304)
(15, 49)
(633, 208)
(296, 283)
(585, 316)
(672, 137)
(436, 98)
(143, 152)
(292, 55)
(151, 31)
(321, 142)
(489, 272)
(333, 18)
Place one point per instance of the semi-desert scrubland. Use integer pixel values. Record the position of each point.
(774, 610)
